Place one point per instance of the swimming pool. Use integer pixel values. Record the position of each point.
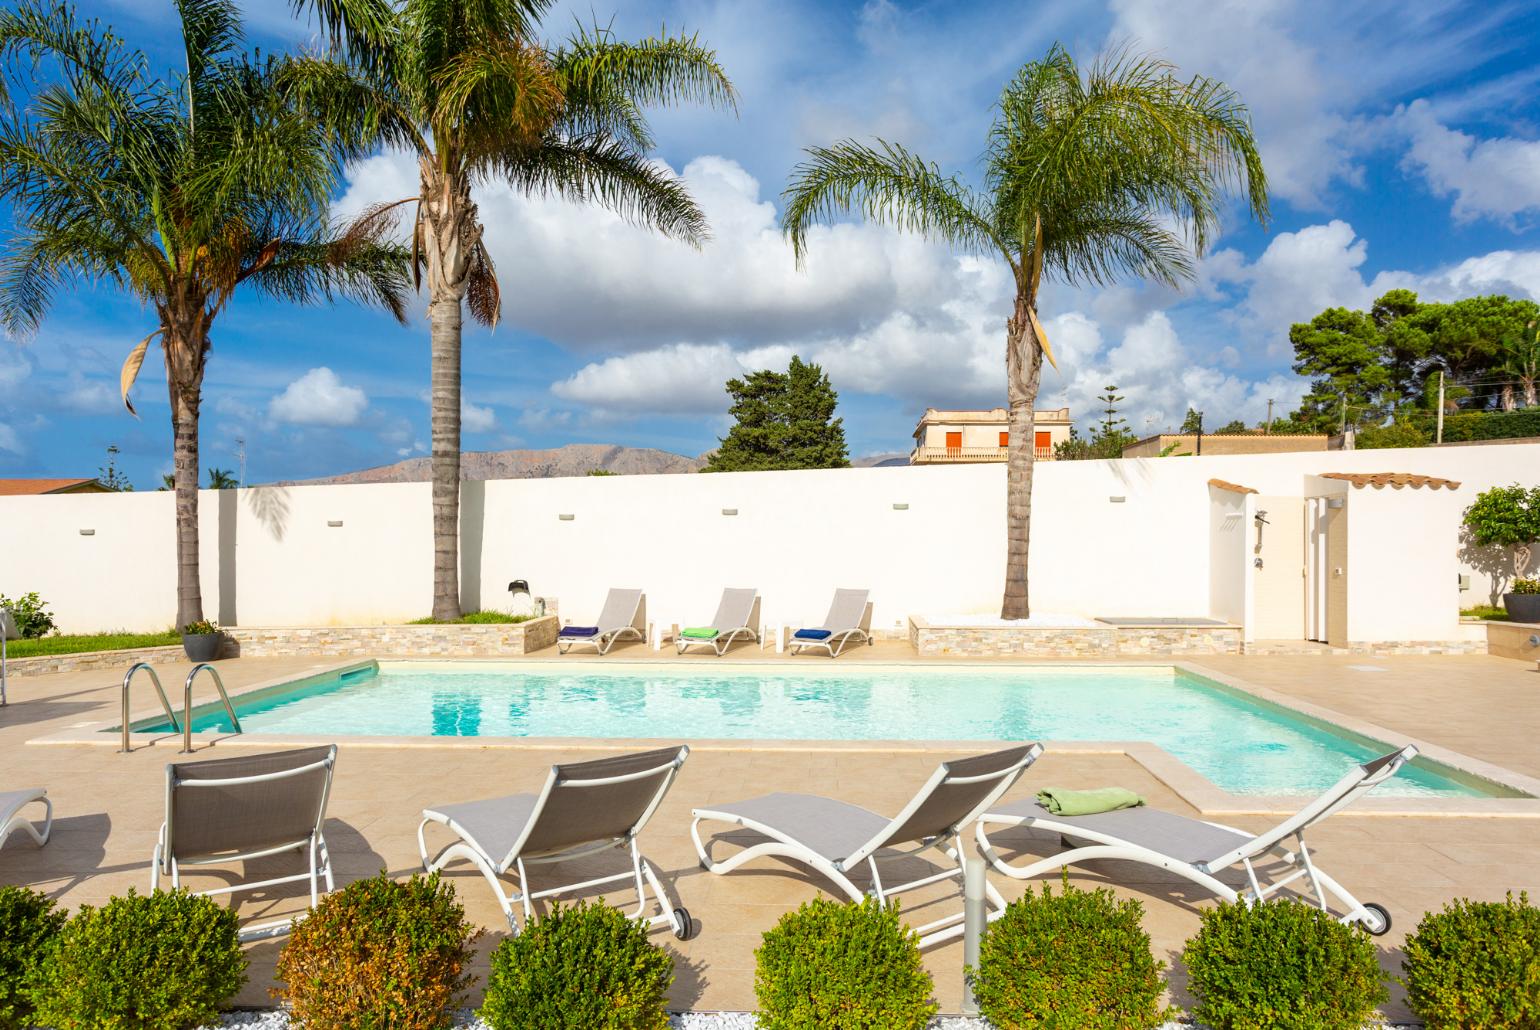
(1241, 743)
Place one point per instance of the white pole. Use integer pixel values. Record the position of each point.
(973, 927)
(1439, 438)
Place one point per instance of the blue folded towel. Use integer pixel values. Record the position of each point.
(580, 631)
(813, 634)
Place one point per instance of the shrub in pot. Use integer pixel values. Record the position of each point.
(1282, 965)
(584, 967)
(378, 953)
(201, 641)
(1075, 959)
(29, 926)
(841, 967)
(160, 961)
(1476, 966)
(1509, 516)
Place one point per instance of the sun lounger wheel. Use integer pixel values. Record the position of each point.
(1381, 923)
(686, 924)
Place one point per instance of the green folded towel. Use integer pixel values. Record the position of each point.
(699, 633)
(1087, 802)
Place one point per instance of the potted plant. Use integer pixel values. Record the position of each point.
(1509, 516)
(201, 640)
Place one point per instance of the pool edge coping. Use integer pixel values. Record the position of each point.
(1207, 797)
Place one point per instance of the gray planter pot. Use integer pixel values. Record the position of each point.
(1522, 607)
(202, 647)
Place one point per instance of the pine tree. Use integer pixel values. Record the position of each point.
(782, 420)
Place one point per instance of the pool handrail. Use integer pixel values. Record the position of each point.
(187, 719)
(128, 678)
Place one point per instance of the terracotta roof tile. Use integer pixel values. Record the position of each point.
(1234, 488)
(1379, 480)
(19, 487)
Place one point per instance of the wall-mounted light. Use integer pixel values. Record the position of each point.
(88, 532)
(1335, 502)
(1117, 499)
(900, 507)
(729, 511)
(1464, 581)
(334, 523)
(566, 518)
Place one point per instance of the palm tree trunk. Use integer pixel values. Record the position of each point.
(1023, 371)
(184, 348)
(449, 228)
(1508, 401)
(444, 319)
(1528, 383)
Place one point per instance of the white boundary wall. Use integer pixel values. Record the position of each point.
(270, 557)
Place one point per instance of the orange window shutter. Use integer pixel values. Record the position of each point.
(1005, 439)
(954, 439)
(1043, 440)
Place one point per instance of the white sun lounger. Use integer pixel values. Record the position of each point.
(849, 618)
(737, 614)
(584, 808)
(223, 810)
(624, 612)
(1199, 851)
(835, 838)
(11, 819)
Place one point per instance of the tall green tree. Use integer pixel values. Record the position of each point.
(1089, 175)
(179, 190)
(470, 90)
(1192, 422)
(1352, 382)
(782, 420)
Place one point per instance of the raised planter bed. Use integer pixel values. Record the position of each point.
(454, 640)
(85, 661)
(1094, 640)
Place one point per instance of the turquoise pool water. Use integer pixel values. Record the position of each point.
(1241, 744)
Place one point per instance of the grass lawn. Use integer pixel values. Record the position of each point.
(1485, 611)
(478, 618)
(74, 644)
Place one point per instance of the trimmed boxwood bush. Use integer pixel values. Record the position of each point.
(1282, 965)
(587, 967)
(841, 967)
(1476, 966)
(1077, 959)
(378, 953)
(29, 924)
(160, 961)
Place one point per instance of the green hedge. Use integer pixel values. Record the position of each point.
(1476, 966)
(159, 961)
(1481, 425)
(1282, 965)
(1077, 959)
(841, 967)
(29, 926)
(587, 967)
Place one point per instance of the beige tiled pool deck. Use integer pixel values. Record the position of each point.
(108, 806)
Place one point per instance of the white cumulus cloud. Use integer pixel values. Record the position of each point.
(1488, 178)
(475, 418)
(319, 398)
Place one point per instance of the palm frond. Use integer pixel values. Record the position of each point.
(482, 294)
(609, 173)
(886, 184)
(661, 70)
(497, 93)
(211, 29)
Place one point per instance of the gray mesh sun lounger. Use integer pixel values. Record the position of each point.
(737, 615)
(224, 810)
(11, 820)
(624, 613)
(849, 618)
(835, 838)
(583, 809)
(1200, 851)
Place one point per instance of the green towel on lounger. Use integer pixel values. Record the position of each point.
(1087, 802)
(698, 633)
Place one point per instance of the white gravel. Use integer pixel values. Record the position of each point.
(274, 1020)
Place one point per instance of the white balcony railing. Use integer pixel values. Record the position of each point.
(942, 455)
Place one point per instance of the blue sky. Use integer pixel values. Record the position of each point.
(1402, 142)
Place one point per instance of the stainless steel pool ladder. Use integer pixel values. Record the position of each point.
(187, 720)
(128, 678)
(185, 723)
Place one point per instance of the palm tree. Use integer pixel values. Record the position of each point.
(178, 191)
(1087, 176)
(469, 90)
(222, 479)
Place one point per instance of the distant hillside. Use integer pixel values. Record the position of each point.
(573, 459)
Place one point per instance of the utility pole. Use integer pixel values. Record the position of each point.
(240, 455)
(1198, 450)
(1439, 436)
(1267, 428)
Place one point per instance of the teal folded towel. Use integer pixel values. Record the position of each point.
(1087, 802)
